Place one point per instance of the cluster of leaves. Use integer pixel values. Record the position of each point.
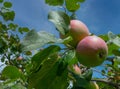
(10, 49)
(71, 6)
(51, 65)
(67, 57)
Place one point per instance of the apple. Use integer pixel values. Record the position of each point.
(77, 70)
(20, 58)
(78, 30)
(91, 51)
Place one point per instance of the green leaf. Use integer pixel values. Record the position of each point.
(112, 47)
(81, 1)
(116, 52)
(38, 58)
(8, 15)
(114, 38)
(48, 78)
(67, 40)
(1, 86)
(113, 43)
(34, 40)
(61, 21)
(11, 72)
(8, 4)
(28, 53)
(80, 82)
(104, 37)
(1, 1)
(18, 86)
(3, 26)
(23, 29)
(91, 85)
(54, 2)
(72, 5)
(116, 64)
(12, 26)
(88, 74)
(70, 57)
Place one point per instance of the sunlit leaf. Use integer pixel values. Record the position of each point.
(18, 86)
(70, 57)
(48, 78)
(88, 74)
(61, 21)
(38, 58)
(3, 26)
(114, 38)
(11, 72)
(104, 37)
(112, 47)
(67, 40)
(54, 2)
(8, 4)
(72, 5)
(12, 26)
(28, 53)
(1, 1)
(34, 40)
(23, 29)
(8, 15)
(116, 64)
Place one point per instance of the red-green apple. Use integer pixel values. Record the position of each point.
(91, 51)
(78, 30)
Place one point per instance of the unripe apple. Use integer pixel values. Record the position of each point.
(20, 58)
(78, 30)
(91, 51)
(77, 70)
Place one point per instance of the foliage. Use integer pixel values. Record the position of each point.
(38, 61)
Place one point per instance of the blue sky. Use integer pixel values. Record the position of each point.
(100, 16)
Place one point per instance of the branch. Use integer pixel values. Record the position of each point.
(116, 85)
